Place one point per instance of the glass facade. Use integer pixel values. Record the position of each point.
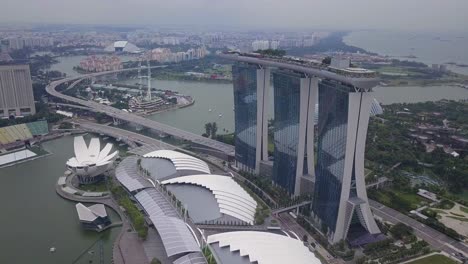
(331, 150)
(286, 132)
(245, 113)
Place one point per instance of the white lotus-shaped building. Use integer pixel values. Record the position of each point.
(90, 161)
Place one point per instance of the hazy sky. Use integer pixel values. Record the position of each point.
(413, 15)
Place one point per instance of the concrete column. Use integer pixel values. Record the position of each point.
(352, 127)
(367, 217)
(303, 118)
(265, 102)
(263, 87)
(313, 98)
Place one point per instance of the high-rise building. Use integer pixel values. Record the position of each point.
(260, 45)
(251, 88)
(16, 94)
(294, 102)
(340, 198)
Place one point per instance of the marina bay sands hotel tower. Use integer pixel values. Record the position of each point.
(323, 158)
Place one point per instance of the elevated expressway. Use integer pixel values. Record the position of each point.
(219, 147)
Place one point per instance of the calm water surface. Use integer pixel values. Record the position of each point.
(219, 98)
(34, 218)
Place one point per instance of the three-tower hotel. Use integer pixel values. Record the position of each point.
(323, 158)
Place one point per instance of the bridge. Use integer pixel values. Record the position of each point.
(291, 207)
(221, 148)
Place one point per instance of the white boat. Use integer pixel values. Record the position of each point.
(209, 110)
(220, 115)
(52, 249)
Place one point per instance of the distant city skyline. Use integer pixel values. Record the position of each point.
(416, 15)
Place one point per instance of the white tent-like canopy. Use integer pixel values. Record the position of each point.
(232, 199)
(265, 248)
(184, 164)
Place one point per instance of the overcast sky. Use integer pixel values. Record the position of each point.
(413, 15)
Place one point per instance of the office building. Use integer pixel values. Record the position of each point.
(294, 102)
(251, 88)
(16, 94)
(340, 198)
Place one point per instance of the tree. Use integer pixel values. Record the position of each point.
(155, 261)
(214, 129)
(327, 60)
(208, 129)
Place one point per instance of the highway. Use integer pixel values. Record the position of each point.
(436, 239)
(135, 119)
(122, 134)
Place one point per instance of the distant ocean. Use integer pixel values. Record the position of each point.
(428, 48)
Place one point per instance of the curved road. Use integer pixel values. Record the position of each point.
(132, 118)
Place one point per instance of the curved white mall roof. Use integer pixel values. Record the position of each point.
(181, 161)
(232, 199)
(127, 174)
(265, 248)
(91, 156)
(175, 235)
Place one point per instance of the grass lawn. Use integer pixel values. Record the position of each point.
(412, 198)
(439, 259)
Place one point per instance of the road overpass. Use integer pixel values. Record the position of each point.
(220, 147)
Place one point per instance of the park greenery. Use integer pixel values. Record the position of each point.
(208, 255)
(42, 113)
(390, 152)
(439, 259)
(210, 130)
(136, 217)
(99, 186)
(155, 261)
(403, 72)
(264, 184)
(387, 251)
(272, 52)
